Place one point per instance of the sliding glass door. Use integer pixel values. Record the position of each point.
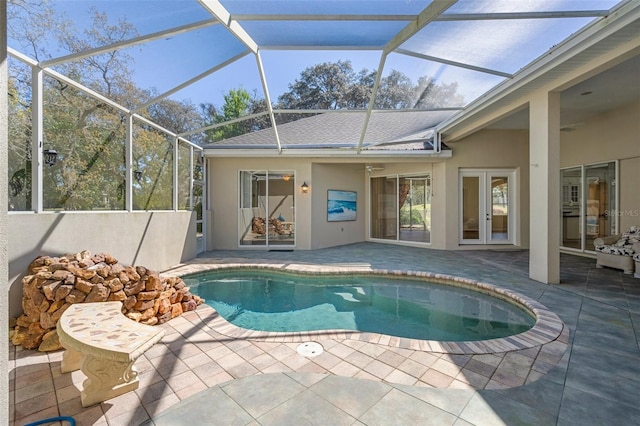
(266, 214)
(588, 204)
(401, 208)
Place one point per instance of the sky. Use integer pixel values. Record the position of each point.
(166, 63)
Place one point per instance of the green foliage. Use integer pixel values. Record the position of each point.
(412, 216)
(237, 103)
(89, 135)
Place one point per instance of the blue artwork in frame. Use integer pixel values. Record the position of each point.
(341, 205)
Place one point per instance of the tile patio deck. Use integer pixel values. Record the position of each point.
(198, 375)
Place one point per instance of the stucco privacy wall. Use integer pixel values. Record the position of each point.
(608, 137)
(346, 177)
(156, 240)
(486, 149)
(224, 191)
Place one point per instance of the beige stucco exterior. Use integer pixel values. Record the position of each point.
(487, 149)
(313, 231)
(614, 136)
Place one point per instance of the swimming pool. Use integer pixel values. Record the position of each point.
(402, 307)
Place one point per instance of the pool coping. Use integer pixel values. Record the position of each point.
(547, 328)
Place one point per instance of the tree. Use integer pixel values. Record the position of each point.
(89, 135)
(334, 85)
(237, 103)
(431, 95)
(395, 91)
(323, 86)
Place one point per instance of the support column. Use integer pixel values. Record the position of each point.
(544, 187)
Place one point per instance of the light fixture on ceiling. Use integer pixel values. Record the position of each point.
(286, 178)
(305, 188)
(50, 156)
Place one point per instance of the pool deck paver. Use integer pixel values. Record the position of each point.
(198, 374)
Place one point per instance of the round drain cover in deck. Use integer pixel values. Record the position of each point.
(310, 349)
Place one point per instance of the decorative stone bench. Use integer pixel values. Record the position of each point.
(104, 344)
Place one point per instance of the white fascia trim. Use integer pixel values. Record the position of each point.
(316, 153)
(582, 40)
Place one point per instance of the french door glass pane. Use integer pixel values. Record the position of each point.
(471, 208)
(499, 208)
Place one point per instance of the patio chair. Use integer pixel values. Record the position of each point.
(616, 251)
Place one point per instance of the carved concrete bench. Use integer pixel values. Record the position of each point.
(104, 344)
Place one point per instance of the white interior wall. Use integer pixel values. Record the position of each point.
(156, 240)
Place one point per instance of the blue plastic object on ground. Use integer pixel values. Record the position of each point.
(71, 421)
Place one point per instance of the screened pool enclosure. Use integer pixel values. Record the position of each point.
(123, 98)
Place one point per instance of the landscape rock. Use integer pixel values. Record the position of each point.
(52, 284)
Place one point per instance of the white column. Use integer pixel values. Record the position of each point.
(544, 187)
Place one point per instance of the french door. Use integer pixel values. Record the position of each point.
(487, 207)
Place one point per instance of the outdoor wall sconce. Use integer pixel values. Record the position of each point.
(50, 156)
(305, 188)
(137, 175)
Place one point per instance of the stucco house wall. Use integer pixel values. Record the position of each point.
(485, 149)
(610, 137)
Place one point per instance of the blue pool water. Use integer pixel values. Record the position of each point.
(398, 307)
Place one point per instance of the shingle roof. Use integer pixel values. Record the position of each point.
(397, 130)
